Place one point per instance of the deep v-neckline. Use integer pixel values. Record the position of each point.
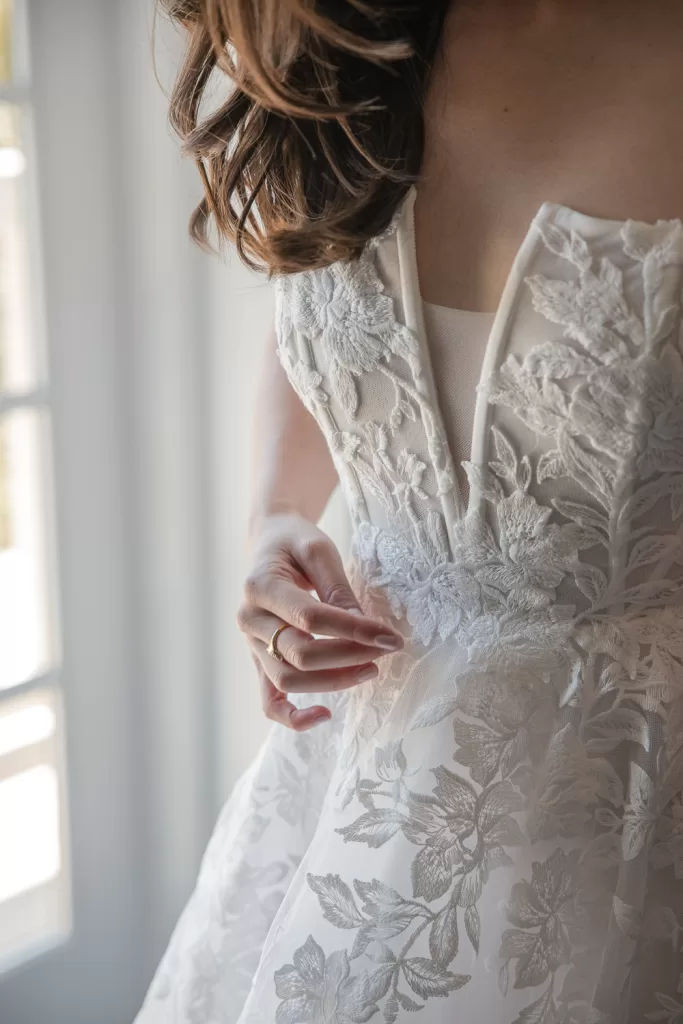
(453, 504)
(454, 507)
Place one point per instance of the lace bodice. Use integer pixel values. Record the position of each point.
(576, 466)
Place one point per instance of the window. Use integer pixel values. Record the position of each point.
(34, 875)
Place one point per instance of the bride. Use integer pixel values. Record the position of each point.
(469, 807)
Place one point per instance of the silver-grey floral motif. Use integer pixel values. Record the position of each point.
(493, 829)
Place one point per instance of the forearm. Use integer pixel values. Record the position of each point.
(292, 467)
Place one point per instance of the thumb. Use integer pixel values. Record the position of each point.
(322, 564)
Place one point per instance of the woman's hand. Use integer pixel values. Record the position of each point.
(293, 557)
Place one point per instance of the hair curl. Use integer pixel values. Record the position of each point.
(321, 134)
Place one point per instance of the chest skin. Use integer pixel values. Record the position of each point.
(572, 103)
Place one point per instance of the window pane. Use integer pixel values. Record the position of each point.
(24, 728)
(29, 823)
(5, 40)
(25, 624)
(18, 363)
(34, 879)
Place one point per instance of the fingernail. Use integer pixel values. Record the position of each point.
(369, 672)
(322, 717)
(388, 641)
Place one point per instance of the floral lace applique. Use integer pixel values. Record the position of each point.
(555, 687)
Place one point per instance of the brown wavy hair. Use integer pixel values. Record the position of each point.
(321, 134)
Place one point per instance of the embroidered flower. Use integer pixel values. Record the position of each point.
(343, 308)
(418, 578)
(634, 409)
(410, 470)
(345, 444)
(536, 638)
(529, 557)
(542, 911)
(307, 384)
(317, 988)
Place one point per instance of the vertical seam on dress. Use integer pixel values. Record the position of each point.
(423, 378)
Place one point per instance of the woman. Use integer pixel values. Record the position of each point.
(480, 819)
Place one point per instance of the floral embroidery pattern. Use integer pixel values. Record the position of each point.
(514, 846)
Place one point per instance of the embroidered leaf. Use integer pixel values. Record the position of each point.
(336, 900)
(344, 388)
(557, 360)
(506, 466)
(390, 761)
(587, 470)
(638, 816)
(378, 899)
(609, 638)
(569, 245)
(481, 479)
(582, 514)
(457, 796)
(408, 1004)
(621, 724)
(373, 483)
(665, 325)
(433, 711)
(473, 926)
(374, 828)
(551, 466)
(374, 986)
(392, 925)
(428, 979)
(609, 784)
(443, 935)
(384, 956)
(651, 549)
(391, 1010)
(524, 473)
(647, 496)
(363, 939)
(591, 581)
(431, 873)
(628, 918)
(651, 590)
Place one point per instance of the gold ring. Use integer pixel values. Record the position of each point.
(272, 646)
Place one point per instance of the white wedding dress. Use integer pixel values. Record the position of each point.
(493, 830)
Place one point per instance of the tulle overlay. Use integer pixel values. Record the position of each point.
(493, 830)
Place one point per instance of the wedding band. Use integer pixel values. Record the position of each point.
(272, 649)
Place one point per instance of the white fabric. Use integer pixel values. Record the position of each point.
(493, 831)
(457, 342)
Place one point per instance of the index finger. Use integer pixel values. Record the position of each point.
(296, 607)
(279, 709)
